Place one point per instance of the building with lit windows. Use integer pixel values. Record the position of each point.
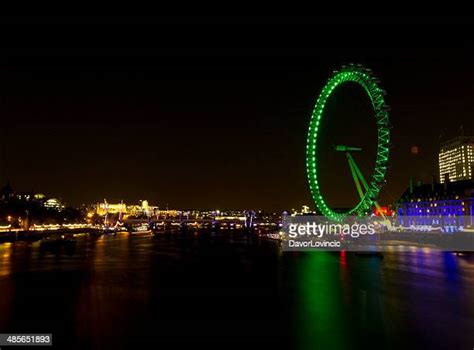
(436, 202)
(143, 208)
(54, 204)
(452, 200)
(110, 208)
(456, 159)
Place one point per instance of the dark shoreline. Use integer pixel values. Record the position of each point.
(33, 235)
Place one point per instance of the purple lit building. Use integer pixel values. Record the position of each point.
(439, 204)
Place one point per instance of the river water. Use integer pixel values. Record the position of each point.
(227, 290)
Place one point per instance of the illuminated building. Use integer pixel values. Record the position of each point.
(103, 208)
(135, 210)
(435, 200)
(54, 204)
(8, 194)
(456, 159)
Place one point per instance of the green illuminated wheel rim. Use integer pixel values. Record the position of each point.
(365, 78)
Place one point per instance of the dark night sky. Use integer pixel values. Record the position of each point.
(213, 113)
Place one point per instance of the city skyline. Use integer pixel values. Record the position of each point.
(193, 126)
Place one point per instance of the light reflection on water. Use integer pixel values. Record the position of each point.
(114, 291)
(418, 297)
